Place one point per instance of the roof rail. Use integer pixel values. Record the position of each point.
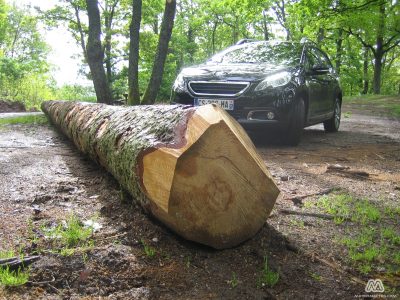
(306, 40)
(244, 41)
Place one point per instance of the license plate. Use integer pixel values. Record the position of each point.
(224, 103)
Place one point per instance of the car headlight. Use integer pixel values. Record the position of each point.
(272, 81)
(179, 83)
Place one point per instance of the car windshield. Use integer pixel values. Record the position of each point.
(278, 53)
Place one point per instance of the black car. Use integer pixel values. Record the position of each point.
(288, 85)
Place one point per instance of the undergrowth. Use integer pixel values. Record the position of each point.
(12, 277)
(389, 103)
(69, 235)
(371, 239)
(268, 277)
(28, 119)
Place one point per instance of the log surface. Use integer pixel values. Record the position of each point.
(195, 169)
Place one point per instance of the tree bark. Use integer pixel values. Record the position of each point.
(320, 36)
(339, 51)
(80, 30)
(134, 40)
(195, 169)
(161, 55)
(265, 25)
(109, 12)
(190, 39)
(365, 72)
(214, 29)
(379, 51)
(95, 54)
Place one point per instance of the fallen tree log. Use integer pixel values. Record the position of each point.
(194, 169)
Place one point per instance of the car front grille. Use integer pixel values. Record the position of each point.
(218, 88)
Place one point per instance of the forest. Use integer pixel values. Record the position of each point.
(136, 48)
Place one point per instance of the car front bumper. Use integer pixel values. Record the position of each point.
(251, 111)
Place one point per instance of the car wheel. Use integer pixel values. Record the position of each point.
(296, 124)
(332, 125)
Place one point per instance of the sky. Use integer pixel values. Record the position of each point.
(65, 67)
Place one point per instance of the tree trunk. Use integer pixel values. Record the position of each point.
(133, 70)
(190, 39)
(265, 25)
(195, 170)
(320, 36)
(365, 72)
(235, 31)
(377, 73)
(214, 29)
(95, 54)
(108, 21)
(161, 55)
(339, 51)
(108, 60)
(379, 51)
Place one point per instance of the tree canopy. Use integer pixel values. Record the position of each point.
(362, 38)
(23, 55)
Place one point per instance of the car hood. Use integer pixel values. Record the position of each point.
(231, 72)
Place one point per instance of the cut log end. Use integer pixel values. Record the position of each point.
(215, 189)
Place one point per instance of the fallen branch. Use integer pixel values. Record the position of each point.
(336, 267)
(53, 279)
(313, 256)
(316, 215)
(346, 171)
(320, 193)
(14, 263)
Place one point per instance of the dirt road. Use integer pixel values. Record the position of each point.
(43, 179)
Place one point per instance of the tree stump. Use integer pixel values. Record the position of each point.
(194, 169)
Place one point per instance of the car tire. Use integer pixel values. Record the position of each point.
(332, 125)
(294, 131)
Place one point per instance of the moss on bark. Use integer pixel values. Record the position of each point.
(116, 137)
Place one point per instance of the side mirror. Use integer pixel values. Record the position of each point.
(319, 69)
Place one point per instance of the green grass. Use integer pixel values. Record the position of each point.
(70, 235)
(13, 278)
(9, 277)
(267, 277)
(187, 262)
(337, 205)
(30, 119)
(390, 234)
(392, 211)
(389, 103)
(344, 206)
(6, 254)
(233, 282)
(370, 240)
(316, 276)
(148, 250)
(297, 223)
(347, 114)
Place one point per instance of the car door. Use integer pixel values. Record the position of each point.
(327, 79)
(318, 81)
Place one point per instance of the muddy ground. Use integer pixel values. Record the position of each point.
(43, 180)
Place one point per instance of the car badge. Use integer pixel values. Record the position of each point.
(220, 73)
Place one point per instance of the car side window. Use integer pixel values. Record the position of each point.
(312, 59)
(323, 59)
(317, 58)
